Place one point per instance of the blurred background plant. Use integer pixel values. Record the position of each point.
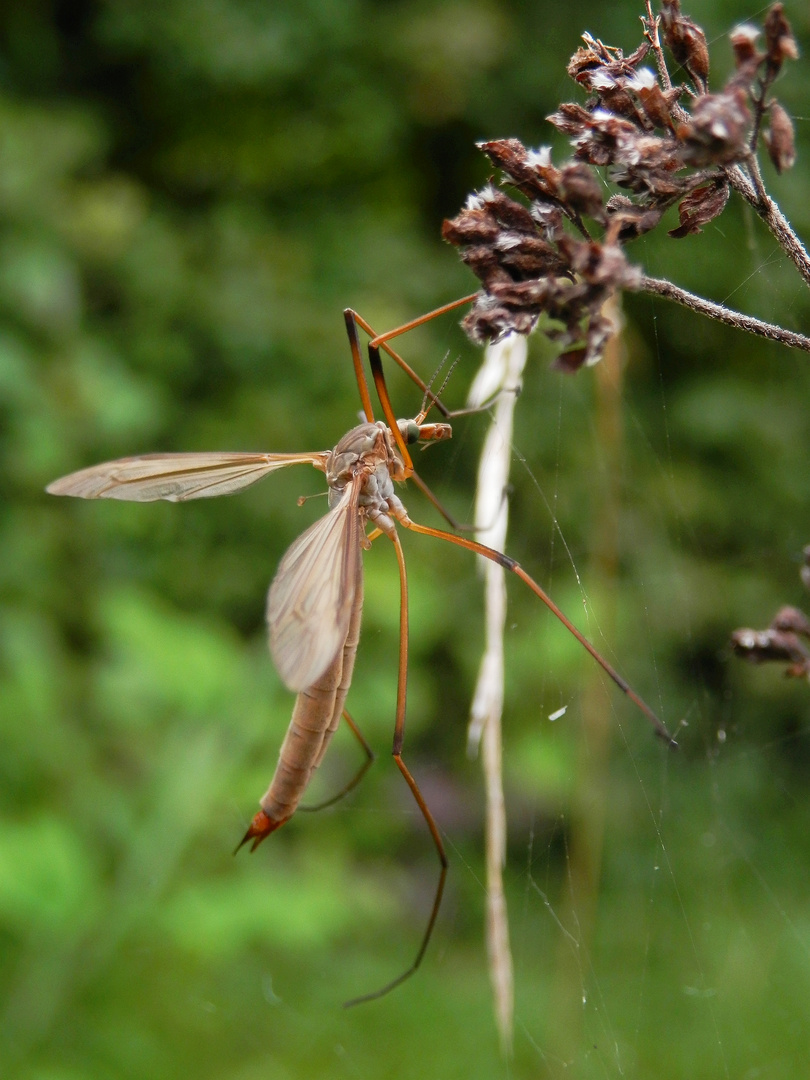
(190, 194)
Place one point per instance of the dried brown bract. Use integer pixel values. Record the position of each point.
(686, 41)
(553, 261)
(762, 646)
(780, 43)
(744, 45)
(701, 206)
(782, 641)
(779, 139)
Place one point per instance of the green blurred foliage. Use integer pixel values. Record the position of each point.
(190, 194)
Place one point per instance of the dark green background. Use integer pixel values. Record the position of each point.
(191, 191)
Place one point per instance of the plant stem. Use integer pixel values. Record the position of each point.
(502, 369)
(664, 288)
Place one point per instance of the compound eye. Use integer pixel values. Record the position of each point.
(410, 431)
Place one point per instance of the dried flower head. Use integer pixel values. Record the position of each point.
(553, 261)
(717, 132)
(530, 265)
(762, 646)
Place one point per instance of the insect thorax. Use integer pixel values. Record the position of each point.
(361, 449)
(367, 455)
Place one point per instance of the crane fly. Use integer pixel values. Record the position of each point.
(315, 602)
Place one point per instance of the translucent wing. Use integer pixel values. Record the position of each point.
(310, 601)
(176, 477)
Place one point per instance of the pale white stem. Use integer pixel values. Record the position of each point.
(501, 370)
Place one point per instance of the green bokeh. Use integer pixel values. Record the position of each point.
(190, 194)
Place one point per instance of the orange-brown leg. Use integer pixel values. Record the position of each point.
(459, 526)
(381, 341)
(399, 736)
(353, 320)
(355, 780)
(510, 564)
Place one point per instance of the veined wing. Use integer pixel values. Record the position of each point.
(310, 601)
(177, 477)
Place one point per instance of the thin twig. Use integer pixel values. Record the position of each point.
(651, 24)
(759, 111)
(661, 287)
(750, 169)
(773, 217)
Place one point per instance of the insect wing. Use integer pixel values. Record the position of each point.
(310, 601)
(176, 477)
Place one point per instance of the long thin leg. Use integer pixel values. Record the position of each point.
(387, 407)
(381, 387)
(459, 526)
(385, 400)
(355, 780)
(399, 736)
(351, 318)
(352, 321)
(509, 564)
(381, 341)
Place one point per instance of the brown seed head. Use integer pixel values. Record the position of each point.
(717, 133)
(780, 44)
(686, 41)
(779, 139)
(744, 43)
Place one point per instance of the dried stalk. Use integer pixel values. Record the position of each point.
(501, 370)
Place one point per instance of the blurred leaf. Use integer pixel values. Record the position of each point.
(39, 284)
(300, 911)
(161, 659)
(47, 878)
